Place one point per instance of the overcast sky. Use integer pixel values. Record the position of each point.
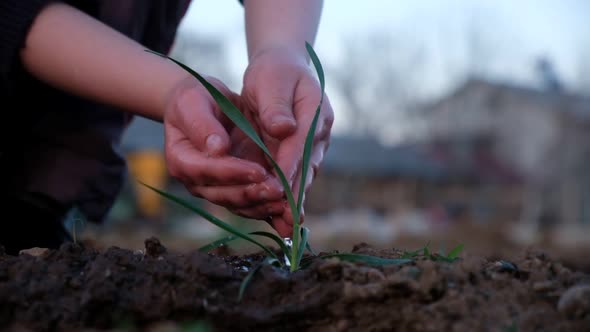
(519, 31)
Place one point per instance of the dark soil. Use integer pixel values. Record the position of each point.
(80, 288)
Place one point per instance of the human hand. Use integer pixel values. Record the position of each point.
(198, 153)
(281, 94)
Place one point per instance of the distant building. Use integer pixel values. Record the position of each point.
(515, 152)
(544, 135)
(360, 173)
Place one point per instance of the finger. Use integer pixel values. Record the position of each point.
(315, 161)
(325, 121)
(290, 150)
(287, 216)
(233, 97)
(274, 98)
(200, 124)
(239, 196)
(262, 211)
(281, 227)
(245, 148)
(317, 155)
(192, 166)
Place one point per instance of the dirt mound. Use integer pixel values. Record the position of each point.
(76, 288)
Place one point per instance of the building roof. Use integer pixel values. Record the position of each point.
(365, 156)
(429, 161)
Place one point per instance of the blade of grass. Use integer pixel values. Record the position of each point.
(199, 326)
(455, 252)
(302, 245)
(295, 255)
(217, 243)
(247, 281)
(250, 275)
(231, 238)
(370, 260)
(308, 247)
(311, 132)
(275, 238)
(214, 220)
(414, 253)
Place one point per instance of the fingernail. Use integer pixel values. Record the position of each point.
(264, 194)
(214, 143)
(282, 119)
(256, 176)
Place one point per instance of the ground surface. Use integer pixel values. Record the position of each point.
(79, 287)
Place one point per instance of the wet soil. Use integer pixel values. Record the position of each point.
(80, 288)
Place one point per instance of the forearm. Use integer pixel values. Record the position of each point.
(74, 52)
(281, 23)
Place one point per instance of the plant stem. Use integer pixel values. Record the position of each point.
(295, 246)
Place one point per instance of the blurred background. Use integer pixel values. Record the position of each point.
(456, 122)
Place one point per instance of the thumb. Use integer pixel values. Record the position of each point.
(275, 106)
(200, 125)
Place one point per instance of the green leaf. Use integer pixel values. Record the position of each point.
(275, 238)
(214, 220)
(414, 253)
(217, 243)
(247, 281)
(455, 252)
(302, 245)
(307, 151)
(250, 275)
(317, 64)
(367, 259)
(199, 326)
(311, 132)
(308, 247)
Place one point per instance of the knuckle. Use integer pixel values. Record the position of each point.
(328, 117)
(315, 167)
(172, 164)
(276, 105)
(195, 191)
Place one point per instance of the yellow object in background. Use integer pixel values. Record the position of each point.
(148, 166)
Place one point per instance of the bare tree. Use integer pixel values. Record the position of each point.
(480, 50)
(379, 80)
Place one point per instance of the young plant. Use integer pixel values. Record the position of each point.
(293, 254)
(452, 256)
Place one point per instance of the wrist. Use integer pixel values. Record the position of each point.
(175, 88)
(280, 52)
(282, 24)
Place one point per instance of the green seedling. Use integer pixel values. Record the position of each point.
(198, 326)
(292, 255)
(452, 256)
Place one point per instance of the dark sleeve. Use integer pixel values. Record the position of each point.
(16, 18)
